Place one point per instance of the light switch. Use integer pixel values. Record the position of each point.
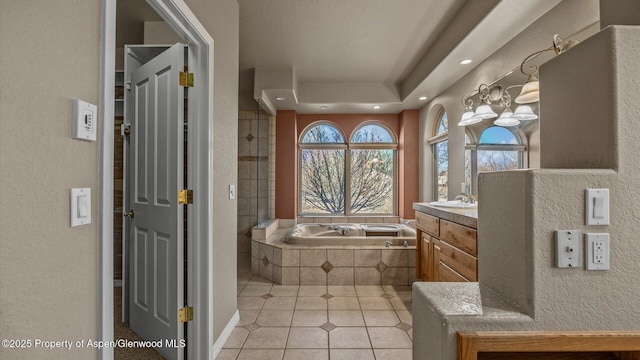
(80, 206)
(597, 207)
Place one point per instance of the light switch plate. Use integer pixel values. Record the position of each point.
(568, 244)
(597, 206)
(596, 251)
(80, 209)
(85, 120)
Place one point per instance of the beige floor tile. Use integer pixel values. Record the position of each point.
(258, 280)
(405, 316)
(342, 290)
(237, 338)
(309, 317)
(351, 354)
(397, 289)
(255, 290)
(306, 354)
(311, 303)
(267, 338)
(380, 317)
(392, 354)
(247, 317)
(250, 303)
(401, 302)
(280, 303)
(271, 318)
(374, 303)
(349, 338)
(228, 354)
(389, 338)
(312, 290)
(369, 290)
(410, 333)
(346, 317)
(307, 338)
(344, 303)
(284, 290)
(261, 354)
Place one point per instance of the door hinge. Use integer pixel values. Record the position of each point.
(185, 197)
(186, 79)
(185, 314)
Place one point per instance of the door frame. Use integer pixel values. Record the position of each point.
(200, 137)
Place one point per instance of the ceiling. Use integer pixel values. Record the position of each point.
(347, 56)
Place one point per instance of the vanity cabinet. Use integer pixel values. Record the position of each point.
(446, 250)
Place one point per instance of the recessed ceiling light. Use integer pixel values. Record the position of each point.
(466, 61)
(280, 98)
(376, 107)
(422, 98)
(324, 107)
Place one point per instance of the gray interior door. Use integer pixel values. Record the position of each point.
(156, 269)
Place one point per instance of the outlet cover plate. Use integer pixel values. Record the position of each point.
(568, 246)
(596, 251)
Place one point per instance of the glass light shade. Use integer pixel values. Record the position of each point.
(467, 118)
(484, 112)
(524, 112)
(507, 119)
(530, 91)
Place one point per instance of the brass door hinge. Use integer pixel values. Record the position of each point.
(185, 314)
(185, 197)
(186, 79)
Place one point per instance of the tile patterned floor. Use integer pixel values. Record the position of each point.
(320, 322)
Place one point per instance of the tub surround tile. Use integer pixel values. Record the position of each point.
(312, 276)
(341, 276)
(368, 258)
(395, 258)
(277, 274)
(255, 265)
(395, 276)
(266, 251)
(367, 276)
(290, 275)
(341, 258)
(290, 258)
(313, 257)
(266, 271)
(277, 256)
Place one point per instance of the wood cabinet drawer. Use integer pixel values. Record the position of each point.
(459, 236)
(459, 261)
(449, 275)
(428, 223)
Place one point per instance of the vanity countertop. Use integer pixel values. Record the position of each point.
(466, 217)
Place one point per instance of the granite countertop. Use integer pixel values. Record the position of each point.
(466, 217)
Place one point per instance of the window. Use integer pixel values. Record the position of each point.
(343, 178)
(470, 167)
(440, 147)
(499, 149)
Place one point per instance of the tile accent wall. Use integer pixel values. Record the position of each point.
(255, 187)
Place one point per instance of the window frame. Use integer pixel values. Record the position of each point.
(520, 147)
(347, 146)
(437, 138)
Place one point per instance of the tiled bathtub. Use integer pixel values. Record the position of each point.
(289, 264)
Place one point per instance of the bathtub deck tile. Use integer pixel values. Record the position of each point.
(313, 257)
(341, 257)
(395, 258)
(290, 258)
(368, 258)
(341, 276)
(312, 276)
(367, 276)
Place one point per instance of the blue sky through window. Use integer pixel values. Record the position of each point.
(497, 135)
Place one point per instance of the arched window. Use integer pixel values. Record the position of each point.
(499, 149)
(440, 148)
(343, 178)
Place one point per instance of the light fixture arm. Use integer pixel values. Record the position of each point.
(559, 46)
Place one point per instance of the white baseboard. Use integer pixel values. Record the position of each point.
(217, 346)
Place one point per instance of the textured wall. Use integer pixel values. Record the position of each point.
(48, 270)
(221, 19)
(565, 19)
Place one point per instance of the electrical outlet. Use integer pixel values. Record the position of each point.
(597, 251)
(568, 247)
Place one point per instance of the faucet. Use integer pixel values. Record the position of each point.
(388, 244)
(466, 198)
(344, 230)
(405, 244)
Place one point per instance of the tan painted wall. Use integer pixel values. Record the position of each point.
(48, 270)
(565, 19)
(221, 18)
